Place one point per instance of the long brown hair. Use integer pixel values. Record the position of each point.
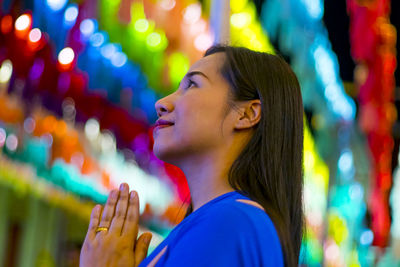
(269, 170)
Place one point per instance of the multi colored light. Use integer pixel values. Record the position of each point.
(147, 42)
(246, 30)
(298, 29)
(316, 180)
(64, 170)
(373, 47)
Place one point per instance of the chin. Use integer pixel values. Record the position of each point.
(166, 154)
(161, 151)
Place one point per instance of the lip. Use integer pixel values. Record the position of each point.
(158, 127)
(161, 122)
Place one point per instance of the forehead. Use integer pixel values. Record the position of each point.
(209, 65)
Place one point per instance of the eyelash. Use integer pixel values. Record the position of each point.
(190, 84)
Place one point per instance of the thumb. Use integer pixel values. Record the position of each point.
(141, 247)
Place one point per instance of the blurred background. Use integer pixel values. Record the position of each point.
(78, 84)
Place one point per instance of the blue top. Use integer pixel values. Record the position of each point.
(222, 232)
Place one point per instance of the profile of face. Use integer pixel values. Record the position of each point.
(202, 121)
(198, 111)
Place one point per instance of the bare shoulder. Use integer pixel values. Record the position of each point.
(250, 202)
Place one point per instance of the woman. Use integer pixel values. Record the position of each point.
(235, 128)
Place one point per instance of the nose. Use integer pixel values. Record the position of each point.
(163, 106)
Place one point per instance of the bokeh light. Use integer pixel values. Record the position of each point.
(241, 20)
(6, 24)
(70, 15)
(109, 50)
(87, 27)
(366, 237)
(92, 129)
(23, 22)
(29, 125)
(3, 137)
(167, 4)
(12, 142)
(56, 5)
(66, 56)
(97, 39)
(153, 39)
(35, 35)
(119, 59)
(203, 42)
(6, 71)
(192, 13)
(141, 25)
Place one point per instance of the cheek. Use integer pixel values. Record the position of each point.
(197, 127)
(198, 122)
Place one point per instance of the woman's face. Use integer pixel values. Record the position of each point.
(199, 113)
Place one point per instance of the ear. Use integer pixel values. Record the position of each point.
(250, 115)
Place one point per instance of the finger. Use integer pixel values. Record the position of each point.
(130, 228)
(108, 211)
(120, 211)
(142, 247)
(94, 222)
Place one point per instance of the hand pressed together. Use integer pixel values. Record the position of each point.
(119, 245)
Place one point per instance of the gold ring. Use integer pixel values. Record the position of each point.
(99, 229)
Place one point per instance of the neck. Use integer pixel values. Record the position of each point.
(207, 177)
(207, 172)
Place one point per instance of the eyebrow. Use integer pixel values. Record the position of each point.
(192, 73)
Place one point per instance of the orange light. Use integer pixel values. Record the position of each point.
(23, 25)
(49, 124)
(23, 22)
(61, 129)
(6, 24)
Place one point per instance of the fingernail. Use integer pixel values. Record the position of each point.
(133, 194)
(121, 187)
(147, 239)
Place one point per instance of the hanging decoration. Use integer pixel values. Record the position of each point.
(373, 47)
(297, 28)
(105, 80)
(52, 145)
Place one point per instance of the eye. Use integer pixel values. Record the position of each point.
(190, 83)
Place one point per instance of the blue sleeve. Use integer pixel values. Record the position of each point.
(226, 237)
